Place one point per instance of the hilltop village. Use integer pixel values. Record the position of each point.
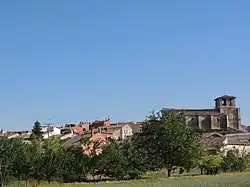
(221, 125)
(203, 141)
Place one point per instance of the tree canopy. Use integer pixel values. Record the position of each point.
(169, 142)
(36, 131)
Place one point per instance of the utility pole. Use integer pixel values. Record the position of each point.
(48, 126)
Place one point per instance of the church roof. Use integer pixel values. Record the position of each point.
(225, 97)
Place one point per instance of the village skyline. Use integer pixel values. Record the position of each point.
(225, 116)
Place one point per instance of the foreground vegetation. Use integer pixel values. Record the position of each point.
(220, 180)
(166, 142)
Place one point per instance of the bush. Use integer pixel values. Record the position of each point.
(211, 164)
(233, 161)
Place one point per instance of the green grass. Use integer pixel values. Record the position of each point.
(221, 180)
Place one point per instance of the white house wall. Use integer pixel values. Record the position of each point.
(240, 148)
(56, 131)
(67, 136)
(126, 131)
(117, 134)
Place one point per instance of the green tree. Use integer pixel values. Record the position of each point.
(36, 159)
(70, 163)
(6, 155)
(75, 165)
(136, 163)
(213, 164)
(234, 161)
(112, 162)
(52, 143)
(21, 165)
(201, 161)
(52, 159)
(210, 163)
(169, 142)
(36, 131)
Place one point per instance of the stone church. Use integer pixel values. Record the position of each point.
(225, 116)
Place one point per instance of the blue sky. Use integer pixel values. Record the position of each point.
(90, 59)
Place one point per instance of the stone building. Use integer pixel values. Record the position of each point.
(224, 117)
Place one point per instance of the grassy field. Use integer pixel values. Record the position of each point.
(221, 180)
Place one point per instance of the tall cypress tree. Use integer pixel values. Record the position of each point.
(36, 131)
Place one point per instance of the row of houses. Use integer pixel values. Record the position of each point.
(67, 131)
(73, 133)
